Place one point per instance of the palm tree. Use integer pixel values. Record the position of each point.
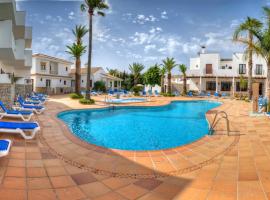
(244, 34)
(169, 64)
(79, 32)
(136, 69)
(183, 70)
(262, 45)
(92, 7)
(113, 72)
(162, 73)
(76, 51)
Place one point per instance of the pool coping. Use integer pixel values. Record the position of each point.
(74, 139)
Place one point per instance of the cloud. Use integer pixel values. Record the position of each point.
(164, 15)
(142, 19)
(71, 15)
(149, 47)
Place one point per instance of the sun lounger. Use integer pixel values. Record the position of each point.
(190, 94)
(35, 109)
(216, 94)
(31, 102)
(24, 115)
(21, 128)
(5, 145)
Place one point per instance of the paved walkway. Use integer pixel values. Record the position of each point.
(57, 165)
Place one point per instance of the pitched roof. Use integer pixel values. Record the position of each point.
(51, 58)
(84, 70)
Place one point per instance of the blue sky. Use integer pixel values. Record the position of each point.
(144, 31)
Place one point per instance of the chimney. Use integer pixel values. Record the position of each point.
(203, 49)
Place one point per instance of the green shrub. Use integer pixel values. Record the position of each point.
(100, 86)
(87, 101)
(137, 89)
(168, 94)
(75, 96)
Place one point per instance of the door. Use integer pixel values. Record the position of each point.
(209, 69)
(48, 86)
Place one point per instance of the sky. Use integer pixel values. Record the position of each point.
(144, 31)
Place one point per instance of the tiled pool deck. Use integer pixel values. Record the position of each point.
(57, 165)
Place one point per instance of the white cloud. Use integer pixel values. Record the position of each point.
(164, 15)
(142, 19)
(71, 15)
(149, 47)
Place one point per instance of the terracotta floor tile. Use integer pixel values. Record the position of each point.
(250, 190)
(217, 195)
(115, 183)
(148, 184)
(16, 163)
(39, 183)
(132, 191)
(8, 194)
(94, 189)
(56, 171)
(62, 181)
(111, 196)
(190, 193)
(14, 183)
(36, 172)
(16, 171)
(83, 178)
(45, 194)
(70, 193)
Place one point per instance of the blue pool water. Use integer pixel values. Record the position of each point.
(141, 128)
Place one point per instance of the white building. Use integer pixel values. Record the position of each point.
(98, 74)
(50, 75)
(15, 52)
(211, 73)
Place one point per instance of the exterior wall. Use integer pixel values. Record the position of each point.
(56, 72)
(223, 70)
(15, 52)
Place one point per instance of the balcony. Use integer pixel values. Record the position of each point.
(28, 37)
(28, 58)
(7, 43)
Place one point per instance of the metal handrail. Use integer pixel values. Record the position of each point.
(216, 121)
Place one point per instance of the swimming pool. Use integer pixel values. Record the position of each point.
(141, 128)
(129, 100)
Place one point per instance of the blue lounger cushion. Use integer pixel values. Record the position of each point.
(15, 125)
(4, 144)
(29, 106)
(17, 112)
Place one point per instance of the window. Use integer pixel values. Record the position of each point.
(66, 69)
(210, 85)
(259, 70)
(41, 80)
(43, 66)
(115, 83)
(226, 86)
(243, 89)
(209, 69)
(65, 82)
(242, 68)
(82, 81)
(60, 80)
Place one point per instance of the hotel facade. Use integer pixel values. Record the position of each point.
(15, 52)
(209, 72)
(50, 75)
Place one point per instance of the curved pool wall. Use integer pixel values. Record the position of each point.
(128, 100)
(141, 128)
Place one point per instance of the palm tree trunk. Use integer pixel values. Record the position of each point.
(162, 84)
(78, 76)
(250, 63)
(88, 81)
(185, 84)
(169, 83)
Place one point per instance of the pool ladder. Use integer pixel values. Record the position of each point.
(107, 102)
(219, 116)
